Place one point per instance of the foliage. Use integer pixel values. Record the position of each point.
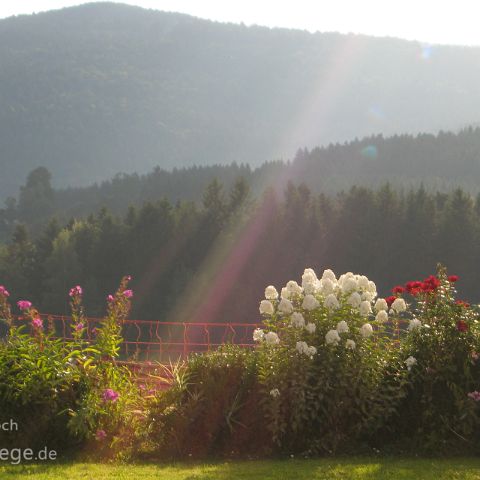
(336, 370)
(211, 407)
(323, 368)
(440, 412)
(65, 393)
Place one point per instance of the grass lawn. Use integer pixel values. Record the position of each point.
(346, 469)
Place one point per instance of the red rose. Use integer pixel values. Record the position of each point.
(409, 286)
(390, 300)
(414, 288)
(432, 281)
(462, 326)
(453, 278)
(427, 287)
(398, 289)
(462, 303)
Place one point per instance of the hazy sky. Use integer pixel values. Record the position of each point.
(440, 21)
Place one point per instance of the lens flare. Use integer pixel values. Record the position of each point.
(370, 151)
(426, 52)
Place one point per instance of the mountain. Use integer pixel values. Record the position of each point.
(102, 88)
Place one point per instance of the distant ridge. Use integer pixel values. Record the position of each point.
(102, 88)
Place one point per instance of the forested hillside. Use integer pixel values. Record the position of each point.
(98, 89)
(440, 163)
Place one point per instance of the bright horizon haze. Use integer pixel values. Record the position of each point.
(448, 22)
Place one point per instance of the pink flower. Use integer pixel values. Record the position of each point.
(79, 327)
(76, 291)
(128, 278)
(110, 298)
(24, 304)
(110, 395)
(37, 323)
(4, 291)
(474, 396)
(128, 293)
(101, 435)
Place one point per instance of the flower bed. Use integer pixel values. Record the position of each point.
(335, 369)
(67, 393)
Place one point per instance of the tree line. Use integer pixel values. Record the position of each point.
(211, 261)
(404, 161)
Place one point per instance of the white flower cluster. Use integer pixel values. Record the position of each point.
(414, 324)
(410, 362)
(258, 335)
(266, 307)
(275, 392)
(355, 290)
(310, 302)
(332, 337)
(291, 290)
(303, 348)
(366, 330)
(347, 283)
(381, 305)
(271, 338)
(271, 293)
(285, 306)
(295, 305)
(399, 305)
(342, 327)
(297, 320)
(350, 344)
(310, 327)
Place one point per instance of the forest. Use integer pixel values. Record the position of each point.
(207, 260)
(439, 163)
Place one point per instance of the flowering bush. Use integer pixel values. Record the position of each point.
(60, 392)
(440, 411)
(334, 368)
(325, 355)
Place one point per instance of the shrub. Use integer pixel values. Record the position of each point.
(325, 363)
(440, 412)
(211, 408)
(63, 393)
(336, 369)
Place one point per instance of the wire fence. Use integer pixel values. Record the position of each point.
(150, 346)
(147, 341)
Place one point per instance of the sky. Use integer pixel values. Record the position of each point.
(437, 22)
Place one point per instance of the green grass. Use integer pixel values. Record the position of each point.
(328, 469)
